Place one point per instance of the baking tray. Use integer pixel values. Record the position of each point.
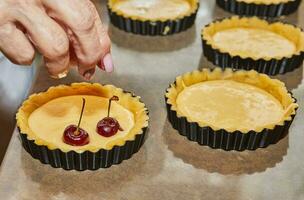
(168, 166)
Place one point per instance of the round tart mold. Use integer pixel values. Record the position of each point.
(158, 26)
(270, 64)
(231, 138)
(259, 7)
(87, 157)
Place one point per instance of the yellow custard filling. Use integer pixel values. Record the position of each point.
(255, 43)
(49, 121)
(153, 9)
(229, 105)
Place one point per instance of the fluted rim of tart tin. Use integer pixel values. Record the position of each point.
(90, 158)
(232, 139)
(153, 27)
(267, 65)
(260, 8)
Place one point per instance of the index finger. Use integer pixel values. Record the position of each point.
(106, 62)
(76, 15)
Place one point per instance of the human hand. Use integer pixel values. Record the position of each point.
(65, 32)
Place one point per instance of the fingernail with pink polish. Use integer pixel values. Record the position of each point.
(101, 65)
(108, 63)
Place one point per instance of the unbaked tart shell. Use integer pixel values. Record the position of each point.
(260, 7)
(233, 139)
(91, 158)
(154, 27)
(267, 65)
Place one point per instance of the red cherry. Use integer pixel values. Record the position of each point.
(108, 127)
(75, 137)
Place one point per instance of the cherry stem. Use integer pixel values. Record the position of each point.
(114, 98)
(80, 118)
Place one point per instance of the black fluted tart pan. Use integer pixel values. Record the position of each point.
(268, 9)
(91, 157)
(270, 66)
(221, 138)
(160, 27)
(82, 161)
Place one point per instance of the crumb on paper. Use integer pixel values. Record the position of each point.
(166, 30)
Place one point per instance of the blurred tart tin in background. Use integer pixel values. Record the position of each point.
(252, 43)
(263, 8)
(230, 110)
(158, 17)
